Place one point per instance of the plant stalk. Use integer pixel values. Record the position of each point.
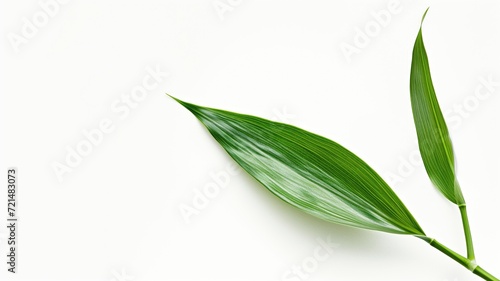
(467, 263)
(468, 237)
(484, 274)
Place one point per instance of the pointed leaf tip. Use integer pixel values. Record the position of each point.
(423, 17)
(189, 106)
(174, 98)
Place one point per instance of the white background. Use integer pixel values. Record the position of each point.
(116, 215)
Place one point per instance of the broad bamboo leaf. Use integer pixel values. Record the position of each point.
(433, 137)
(308, 171)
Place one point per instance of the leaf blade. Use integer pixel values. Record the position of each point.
(434, 140)
(308, 171)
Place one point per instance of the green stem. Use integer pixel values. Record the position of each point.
(467, 263)
(484, 274)
(468, 236)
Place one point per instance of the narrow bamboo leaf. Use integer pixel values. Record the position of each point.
(308, 171)
(433, 138)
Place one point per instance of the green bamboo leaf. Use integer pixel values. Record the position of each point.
(308, 171)
(433, 137)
